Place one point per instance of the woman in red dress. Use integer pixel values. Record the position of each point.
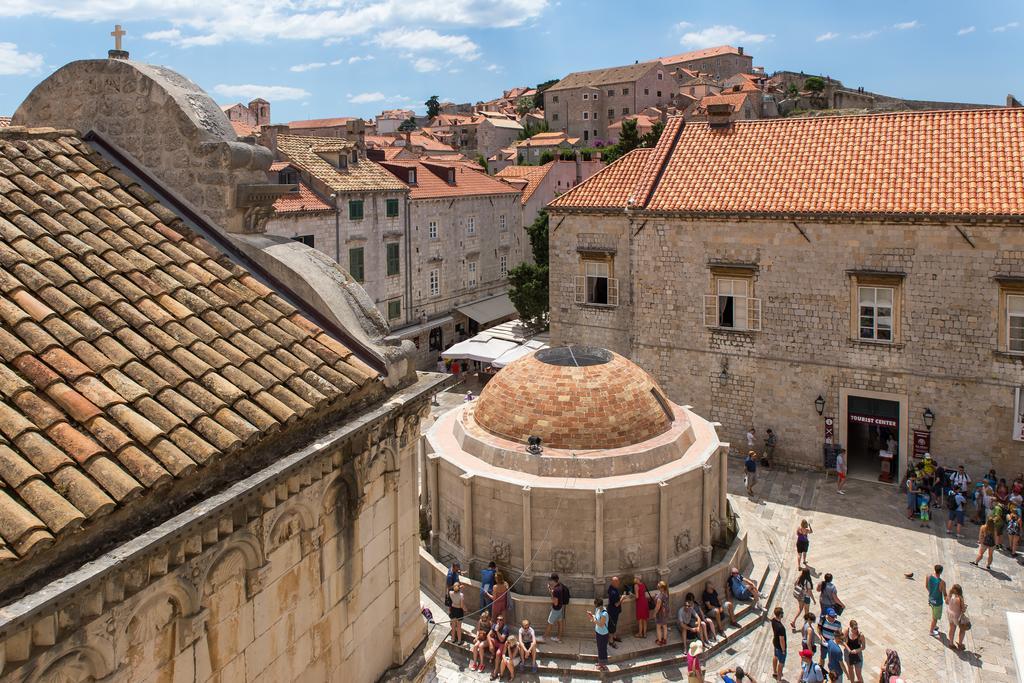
(643, 610)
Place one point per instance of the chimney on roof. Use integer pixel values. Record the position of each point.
(355, 130)
(269, 137)
(408, 138)
(720, 115)
(740, 50)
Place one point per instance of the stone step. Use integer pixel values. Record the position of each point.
(584, 664)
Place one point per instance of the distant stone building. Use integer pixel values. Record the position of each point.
(875, 261)
(248, 119)
(541, 184)
(585, 103)
(530, 150)
(389, 120)
(463, 232)
(495, 133)
(206, 471)
(347, 127)
(721, 62)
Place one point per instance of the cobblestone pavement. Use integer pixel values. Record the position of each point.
(865, 540)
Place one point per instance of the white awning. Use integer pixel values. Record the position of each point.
(484, 350)
(488, 310)
(518, 352)
(415, 329)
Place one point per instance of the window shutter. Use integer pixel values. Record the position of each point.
(581, 289)
(754, 315)
(613, 291)
(710, 310)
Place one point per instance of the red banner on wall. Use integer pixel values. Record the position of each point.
(922, 442)
(873, 420)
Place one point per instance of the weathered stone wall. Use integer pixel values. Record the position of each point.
(633, 96)
(945, 357)
(312, 576)
(721, 66)
(491, 138)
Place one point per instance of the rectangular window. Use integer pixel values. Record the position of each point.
(731, 306)
(586, 135)
(1015, 323)
(596, 285)
(502, 227)
(432, 230)
(586, 115)
(392, 208)
(660, 75)
(554, 116)
(394, 309)
(647, 91)
(434, 278)
(659, 93)
(355, 209)
(625, 111)
(611, 114)
(554, 98)
(308, 240)
(876, 313)
(611, 93)
(586, 96)
(412, 176)
(392, 258)
(503, 265)
(595, 116)
(471, 225)
(355, 263)
(471, 274)
(625, 91)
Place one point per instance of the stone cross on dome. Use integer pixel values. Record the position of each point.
(117, 52)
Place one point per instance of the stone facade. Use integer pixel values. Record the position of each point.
(495, 134)
(306, 571)
(947, 354)
(718, 65)
(606, 102)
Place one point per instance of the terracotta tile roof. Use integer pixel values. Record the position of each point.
(644, 123)
(365, 175)
(933, 163)
(129, 357)
(552, 139)
(599, 77)
(429, 182)
(700, 54)
(303, 201)
(428, 143)
(243, 130)
(533, 175)
(321, 123)
(735, 99)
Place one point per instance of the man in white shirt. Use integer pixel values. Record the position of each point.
(528, 644)
(960, 480)
(750, 439)
(841, 471)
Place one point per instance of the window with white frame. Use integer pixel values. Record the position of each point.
(471, 273)
(501, 223)
(875, 316)
(595, 116)
(432, 230)
(1015, 323)
(596, 285)
(731, 306)
(434, 280)
(471, 225)
(586, 115)
(586, 96)
(503, 264)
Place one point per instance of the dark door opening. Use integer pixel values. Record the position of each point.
(872, 427)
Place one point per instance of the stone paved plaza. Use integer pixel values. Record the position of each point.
(865, 540)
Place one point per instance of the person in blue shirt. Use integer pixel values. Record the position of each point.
(750, 466)
(599, 617)
(453, 577)
(487, 585)
(836, 664)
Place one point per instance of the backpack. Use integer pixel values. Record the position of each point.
(817, 674)
(566, 595)
(950, 500)
(892, 665)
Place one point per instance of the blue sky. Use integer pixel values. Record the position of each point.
(318, 58)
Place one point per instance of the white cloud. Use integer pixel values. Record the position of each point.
(965, 30)
(683, 25)
(826, 36)
(426, 65)
(267, 92)
(1006, 27)
(905, 25)
(367, 97)
(14, 63)
(721, 35)
(358, 58)
(494, 68)
(425, 39)
(211, 23)
(865, 35)
(299, 68)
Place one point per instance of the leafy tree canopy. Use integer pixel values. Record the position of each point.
(528, 282)
(814, 84)
(433, 106)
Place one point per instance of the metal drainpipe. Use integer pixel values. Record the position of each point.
(337, 229)
(408, 259)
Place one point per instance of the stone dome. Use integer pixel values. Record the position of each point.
(574, 398)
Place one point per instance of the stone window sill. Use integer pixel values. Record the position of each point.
(1014, 356)
(732, 330)
(867, 343)
(600, 307)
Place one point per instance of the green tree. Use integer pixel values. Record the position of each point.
(792, 90)
(629, 138)
(531, 129)
(815, 84)
(528, 282)
(651, 137)
(408, 125)
(524, 105)
(546, 156)
(482, 160)
(433, 106)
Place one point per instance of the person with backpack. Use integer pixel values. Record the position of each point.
(936, 597)
(556, 617)
(810, 671)
(830, 596)
(487, 584)
(955, 503)
(770, 442)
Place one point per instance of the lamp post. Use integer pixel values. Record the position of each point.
(929, 418)
(819, 405)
